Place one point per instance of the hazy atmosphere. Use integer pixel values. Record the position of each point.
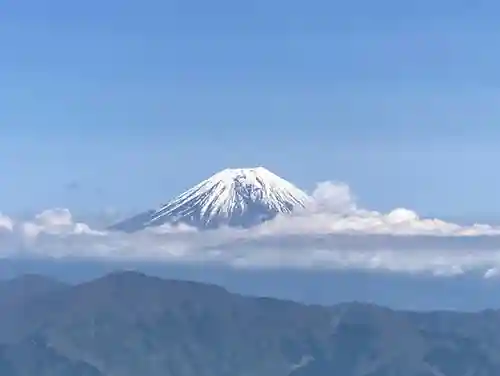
(256, 188)
(107, 114)
(120, 106)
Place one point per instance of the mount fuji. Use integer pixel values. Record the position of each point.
(241, 197)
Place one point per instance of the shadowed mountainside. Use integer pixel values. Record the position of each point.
(128, 323)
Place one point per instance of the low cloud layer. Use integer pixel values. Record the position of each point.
(334, 233)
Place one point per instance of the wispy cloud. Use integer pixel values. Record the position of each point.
(334, 233)
(72, 186)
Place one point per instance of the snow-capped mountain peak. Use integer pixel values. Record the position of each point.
(240, 197)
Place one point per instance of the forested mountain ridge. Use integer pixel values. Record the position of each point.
(128, 323)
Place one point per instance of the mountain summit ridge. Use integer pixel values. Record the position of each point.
(129, 323)
(233, 197)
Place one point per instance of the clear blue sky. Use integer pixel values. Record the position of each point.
(124, 103)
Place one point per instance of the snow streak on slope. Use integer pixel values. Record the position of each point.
(233, 197)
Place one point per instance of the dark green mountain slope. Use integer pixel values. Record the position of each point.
(128, 324)
(33, 356)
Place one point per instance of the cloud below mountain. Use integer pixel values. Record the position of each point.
(334, 233)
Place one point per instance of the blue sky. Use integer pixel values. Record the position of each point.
(123, 104)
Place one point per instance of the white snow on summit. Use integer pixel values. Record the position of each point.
(228, 191)
(240, 197)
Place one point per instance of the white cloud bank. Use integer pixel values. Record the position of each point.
(332, 234)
